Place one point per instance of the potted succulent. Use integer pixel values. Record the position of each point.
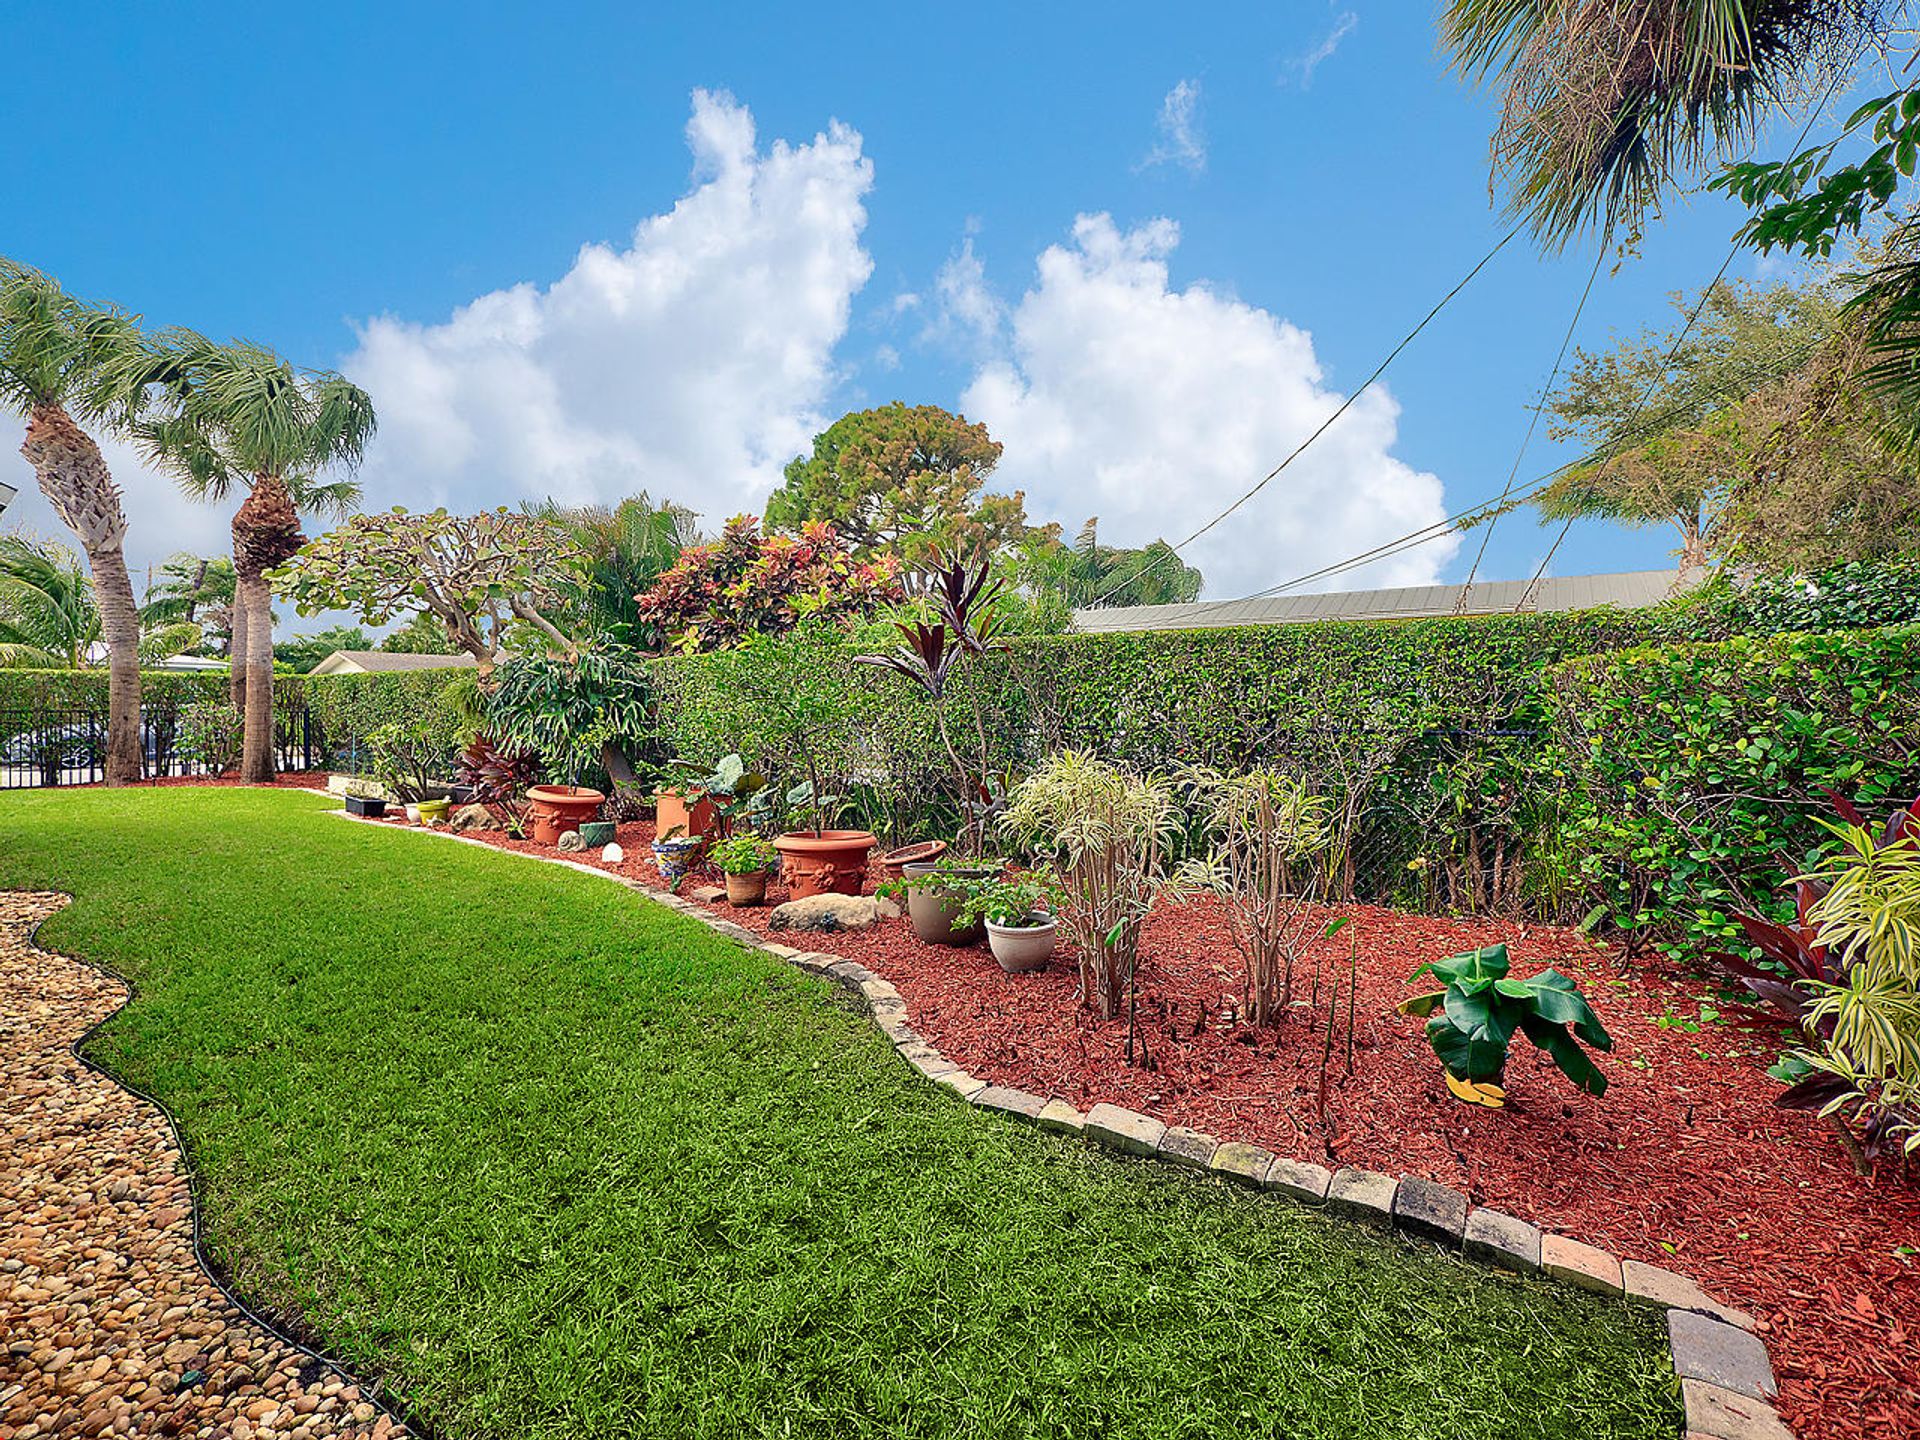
(744, 859)
(1470, 1023)
(937, 898)
(1018, 912)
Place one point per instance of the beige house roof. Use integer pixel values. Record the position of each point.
(1629, 590)
(375, 662)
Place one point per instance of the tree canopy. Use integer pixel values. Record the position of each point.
(900, 480)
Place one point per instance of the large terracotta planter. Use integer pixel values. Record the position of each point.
(935, 914)
(817, 862)
(556, 809)
(671, 812)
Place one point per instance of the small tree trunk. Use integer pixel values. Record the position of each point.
(254, 597)
(120, 627)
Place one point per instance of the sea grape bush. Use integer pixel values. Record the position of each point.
(209, 736)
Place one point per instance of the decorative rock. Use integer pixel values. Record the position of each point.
(1715, 1413)
(1010, 1102)
(1301, 1179)
(1242, 1163)
(1125, 1130)
(571, 843)
(1191, 1148)
(1654, 1286)
(474, 817)
(1582, 1265)
(825, 913)
(612, 854)
(1431, 1210)
(1494, 1238)
(1364, 1195)
(1720, 1354)
(1061, 1118)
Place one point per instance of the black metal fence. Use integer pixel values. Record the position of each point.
(43, 746)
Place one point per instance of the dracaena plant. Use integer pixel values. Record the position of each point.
(967, 622)
(1473, 1020)
(1847, 977)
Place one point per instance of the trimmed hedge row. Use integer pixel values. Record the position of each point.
(1696, 770)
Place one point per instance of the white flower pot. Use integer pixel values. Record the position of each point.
(1020, 948)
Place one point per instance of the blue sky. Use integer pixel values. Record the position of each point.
(1150, 245)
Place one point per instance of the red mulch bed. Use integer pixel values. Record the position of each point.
(1684, 1163)
(285, 780)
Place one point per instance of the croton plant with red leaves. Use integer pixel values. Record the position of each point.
(746, 583)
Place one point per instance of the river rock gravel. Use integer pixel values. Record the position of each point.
(110, 1325)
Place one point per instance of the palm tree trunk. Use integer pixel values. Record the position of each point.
(254, 598)
(266, 531)
(237, 650)
(73, 476)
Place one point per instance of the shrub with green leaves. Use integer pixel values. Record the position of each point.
(1471, 1022)
(209, 735)
(1693, 774)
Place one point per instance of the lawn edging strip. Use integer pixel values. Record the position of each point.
(382, 1416)
(1722, 1368)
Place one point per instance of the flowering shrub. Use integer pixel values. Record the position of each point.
(746, 583)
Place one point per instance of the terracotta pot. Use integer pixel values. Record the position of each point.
(749, 889)
(671, 812)
(556, 809)
(935, 914)
(1020, 948)
(921, 852)
(816, 862)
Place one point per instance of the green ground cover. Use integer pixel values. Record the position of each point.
(556, 1161)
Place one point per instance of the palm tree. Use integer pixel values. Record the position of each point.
(627, 547)
(193, 590)
(49, 619)
(63, 362)
(240, 417)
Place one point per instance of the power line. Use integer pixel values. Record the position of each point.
(1326, 424)
(1566, 340)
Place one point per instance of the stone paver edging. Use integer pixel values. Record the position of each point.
(1726, 1379)
(111, 1323)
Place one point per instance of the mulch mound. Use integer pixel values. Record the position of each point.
(1684, 1163)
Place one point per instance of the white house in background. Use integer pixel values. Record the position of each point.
(1629, 590)
(187, 662)
(386, 662)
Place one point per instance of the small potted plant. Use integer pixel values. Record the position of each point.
(744, 859)
(674, 854)
(1018, 912)
(937, 897)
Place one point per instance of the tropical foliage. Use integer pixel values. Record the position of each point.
(1473, 1019)
(745, 584)
(49, 618)
(622, 550)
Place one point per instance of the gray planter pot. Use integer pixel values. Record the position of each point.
(935, 915)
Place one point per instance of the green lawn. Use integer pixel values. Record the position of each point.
(554, 1161)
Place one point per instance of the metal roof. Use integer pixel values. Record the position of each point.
(1629, 590)
(366, 662)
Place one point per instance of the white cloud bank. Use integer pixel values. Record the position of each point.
(1155, 408)
(693, 363)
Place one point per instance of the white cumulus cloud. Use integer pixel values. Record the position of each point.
(692, 363)
(1155, 408)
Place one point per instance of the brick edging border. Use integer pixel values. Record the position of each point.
(1726, 1378)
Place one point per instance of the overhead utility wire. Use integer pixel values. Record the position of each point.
(1324, 425)
(1526, 440)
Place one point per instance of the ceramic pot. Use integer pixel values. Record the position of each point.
(413, 813)
(1020, 948)
(675, 857)
(672, 812)
(556, 809)
(935, 914)
(816, 862)
(921, 852)
(748, 889)
(433, 810)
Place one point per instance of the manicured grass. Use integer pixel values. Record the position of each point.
(555, 1161)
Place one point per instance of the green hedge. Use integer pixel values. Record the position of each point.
(1410, 726)
(1694, 771)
